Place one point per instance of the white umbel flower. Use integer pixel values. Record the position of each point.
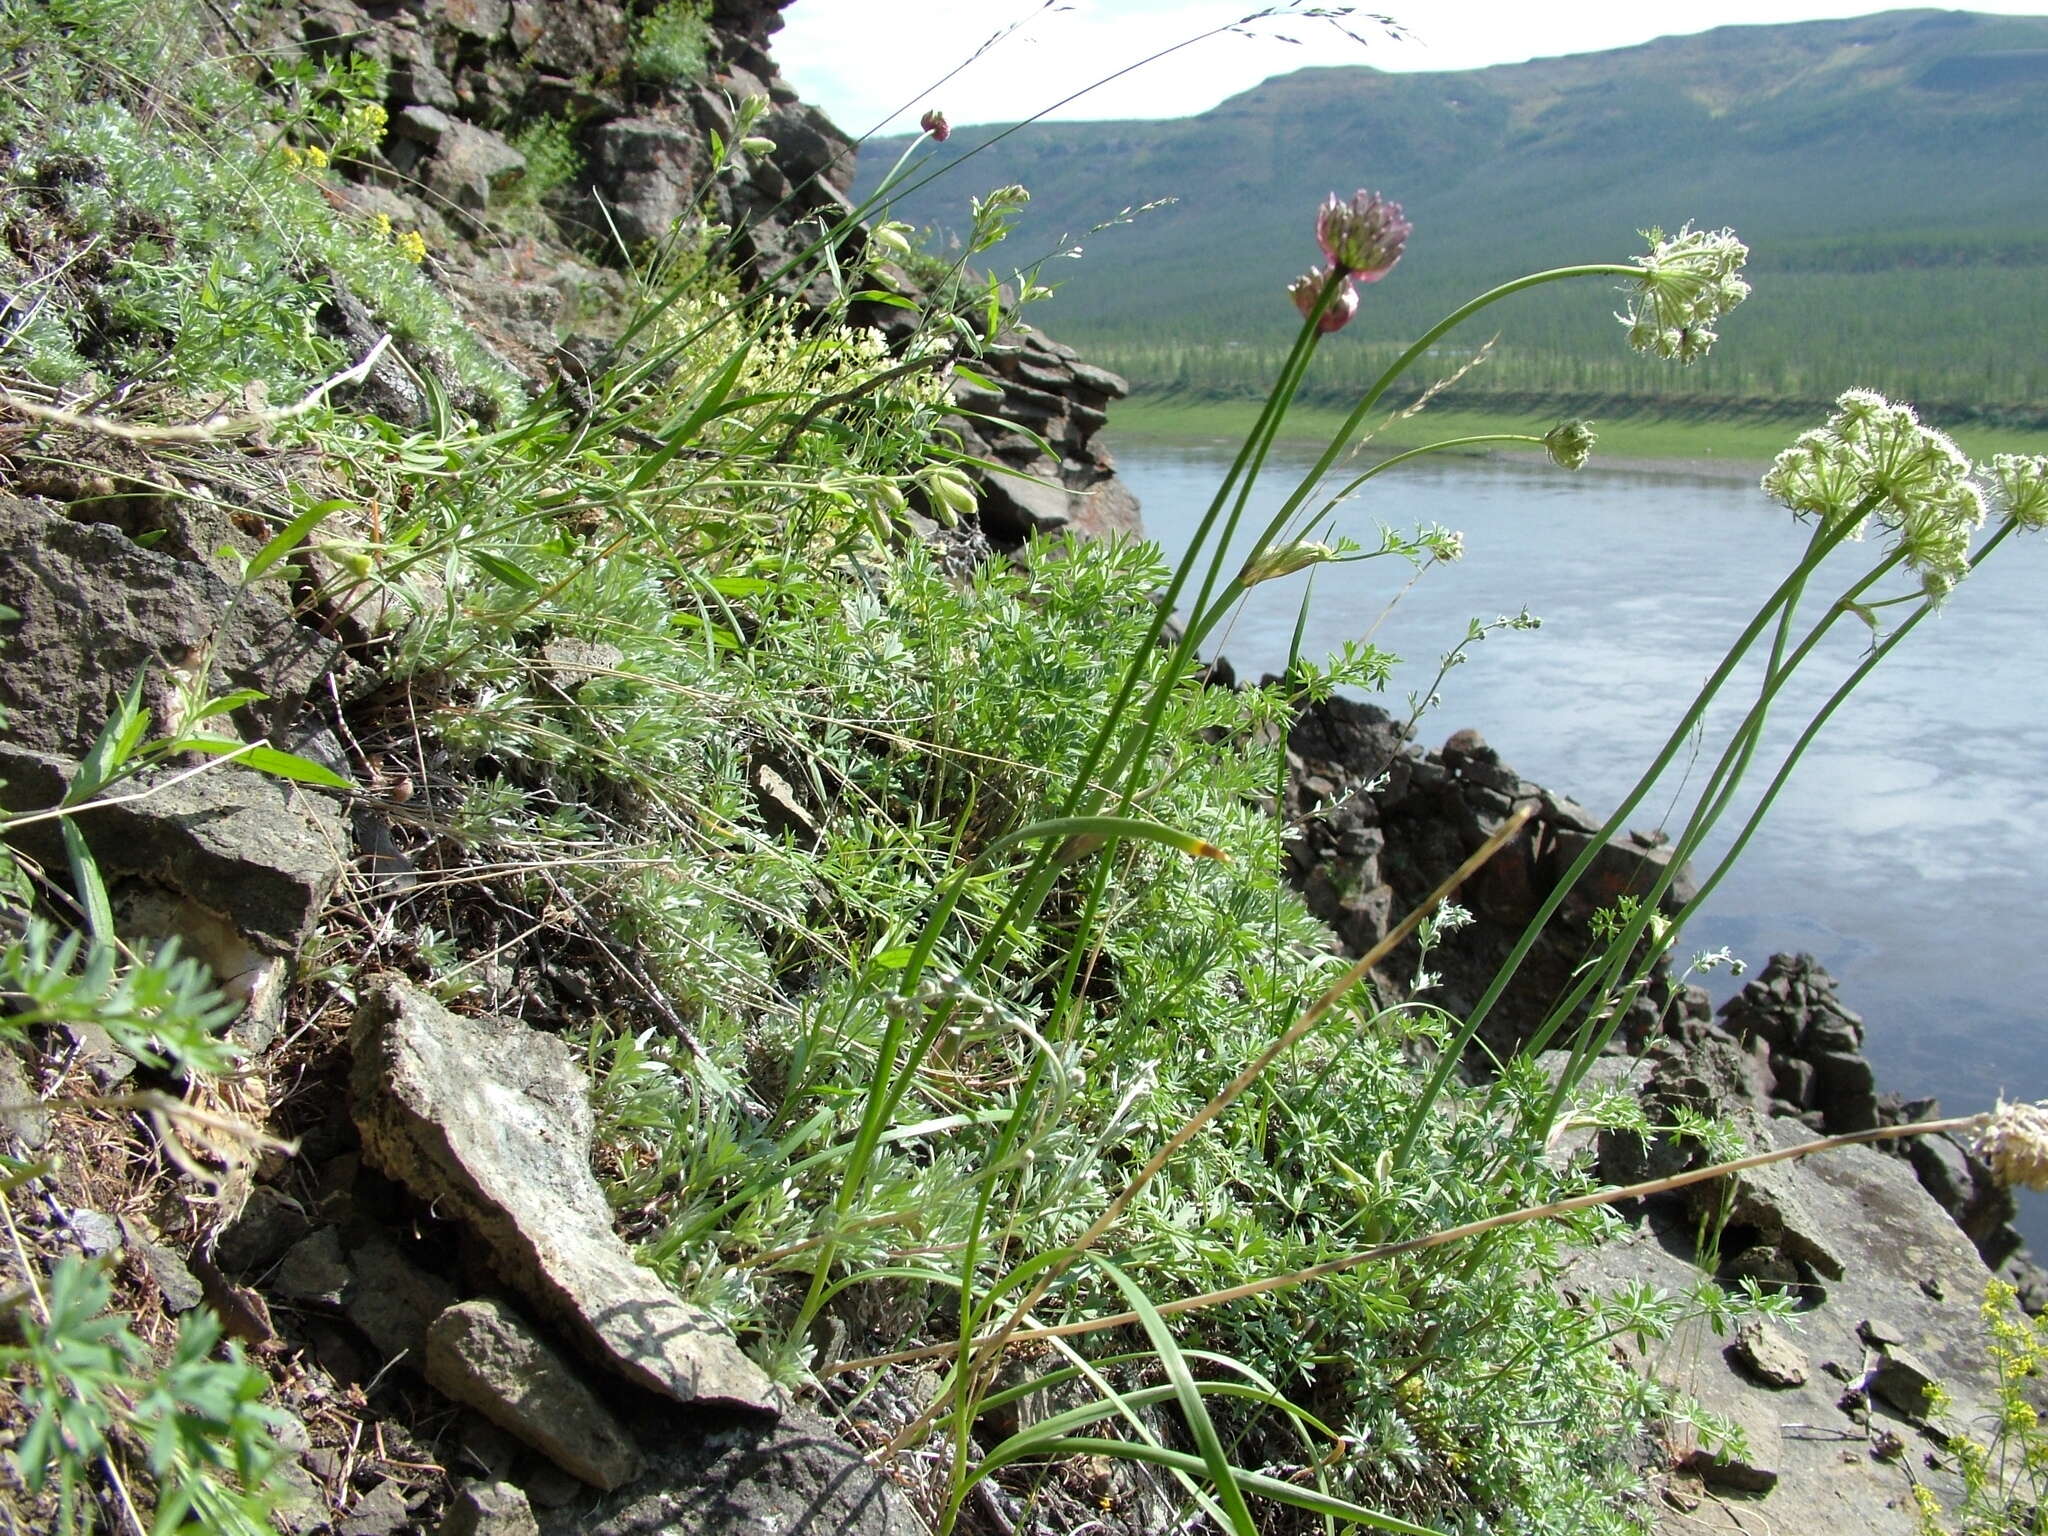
(1876, 455)
(2015, 1143)
(1689, 282)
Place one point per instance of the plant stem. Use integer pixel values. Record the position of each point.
(1386, 1251)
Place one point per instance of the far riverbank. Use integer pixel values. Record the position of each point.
(1705, 446)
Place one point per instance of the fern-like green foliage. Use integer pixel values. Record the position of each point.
(89, 1387)
(669, 42)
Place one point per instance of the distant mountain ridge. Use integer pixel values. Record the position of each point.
(1890, 173)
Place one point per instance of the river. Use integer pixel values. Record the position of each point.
(1903, 852)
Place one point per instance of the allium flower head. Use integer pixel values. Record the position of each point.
(1876, 455)
(1569, 443)
(2015, 1144)
(934, 123)
(2021, 485)
(1364, 237)
(1689, 282)
(1306, 289)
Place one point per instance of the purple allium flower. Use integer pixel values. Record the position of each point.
(1308, 288)
(1362, 238)
(934, 123)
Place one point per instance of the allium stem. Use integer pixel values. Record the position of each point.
(1825, 539)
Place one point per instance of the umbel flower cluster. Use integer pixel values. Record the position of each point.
(1689, 282)
(1875, 459)
(2014, 1141)
(1361, 241)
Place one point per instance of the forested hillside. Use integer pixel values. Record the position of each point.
(1888, 172)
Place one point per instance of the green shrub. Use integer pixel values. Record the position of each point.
(669, 42)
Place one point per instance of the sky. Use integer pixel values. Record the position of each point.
(863, 60)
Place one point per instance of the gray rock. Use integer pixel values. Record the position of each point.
(488, 1509)
(1014, 507)
(1794, 1080)
(96, 1233)
(482, 1356)
(1778, 1201)
(175, 1284)
(645, 167)
(1905, 1382)
(1767, 1354)
(97, 609)
(1891, 1240)
(484, 19)
(380, 1512)
(314, 1269)
(1843, 1074)
(249, 852)
(1100, 380)
(795, 1478)
(1626, 865)
(22, 1115)
(492, 1120)
(269, 1223)
(1757, 1464)
(466, 163)
(393, 1300)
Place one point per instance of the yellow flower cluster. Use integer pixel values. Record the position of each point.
(312, 157)
(412, 245)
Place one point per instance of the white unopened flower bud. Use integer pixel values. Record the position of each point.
(757, 146)
(892, 236)
(1284, 560)
(1569, 443)
(950, 493)
(2015, 1144)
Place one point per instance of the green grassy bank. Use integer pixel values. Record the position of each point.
(1745, 443)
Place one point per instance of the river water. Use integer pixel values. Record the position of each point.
(1906, 851)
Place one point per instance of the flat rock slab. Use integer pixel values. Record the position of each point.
(481, 1354)
(1812, 1465)
(492, 1121)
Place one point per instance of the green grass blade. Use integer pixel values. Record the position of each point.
(1215, 1461)
(1082, 835)
(289, 538)
(85, 879)
(278, 764)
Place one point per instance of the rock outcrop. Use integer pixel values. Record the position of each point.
(1832, 1404)
(459, 72)
(1382, 822)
